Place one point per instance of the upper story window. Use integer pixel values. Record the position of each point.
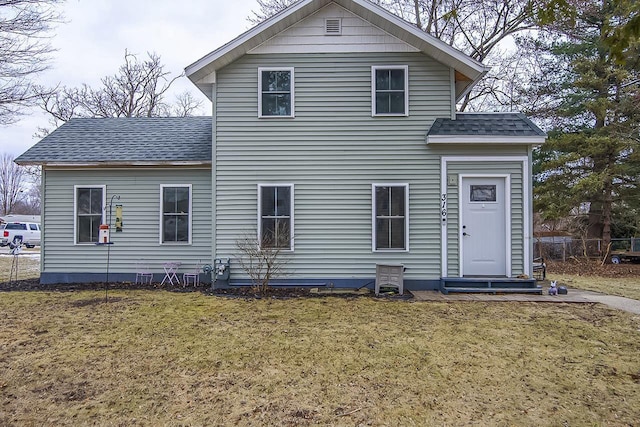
(89, 212)
(390, 90)
(276, 92)
(391, 217)
(175, 205)
(275, 211)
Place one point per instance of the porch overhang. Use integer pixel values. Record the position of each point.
(485, 139)
(486, 128)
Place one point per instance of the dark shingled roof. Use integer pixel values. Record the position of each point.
(490, 124)
(125, 140)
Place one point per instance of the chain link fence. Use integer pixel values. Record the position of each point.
(561, 248)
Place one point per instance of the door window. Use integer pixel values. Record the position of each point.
(482, 193)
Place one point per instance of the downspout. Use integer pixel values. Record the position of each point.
(214, 170)
(42, 219)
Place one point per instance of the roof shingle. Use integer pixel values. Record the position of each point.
(490, 124)
(125, 140)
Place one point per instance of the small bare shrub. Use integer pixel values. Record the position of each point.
(263, 259)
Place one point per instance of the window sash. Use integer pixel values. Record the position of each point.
(390, 224)
(89, 213)
(390, 90)
(176, 206)
(275, 92)
(275, 216)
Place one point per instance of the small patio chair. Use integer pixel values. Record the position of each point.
(144, 275)
(192, 276)
(539, 269)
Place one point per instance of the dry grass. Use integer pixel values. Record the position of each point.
(28, 264)
(161, 358)
(622, 286)
(614, 279)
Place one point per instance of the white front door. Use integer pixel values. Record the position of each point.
(483, 227)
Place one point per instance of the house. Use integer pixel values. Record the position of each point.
(333, 133)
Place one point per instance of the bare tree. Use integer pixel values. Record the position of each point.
(25, 26)
(262, 259)
(268, 8)
(185, 105)
(137, 90)
(13, 180)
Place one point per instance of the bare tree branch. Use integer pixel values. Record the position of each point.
(25, 27)
(138, 89)
(12, 184)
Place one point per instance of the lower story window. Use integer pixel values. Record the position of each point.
(175, 201)
(390, 217)
(89, 203)
(275, 222)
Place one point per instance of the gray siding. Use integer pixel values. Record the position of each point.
(333, 150)
(139, 191)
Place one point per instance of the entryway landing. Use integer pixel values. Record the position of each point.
(490, 285)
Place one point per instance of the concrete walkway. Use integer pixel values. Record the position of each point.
(574, 296)
(621, 303)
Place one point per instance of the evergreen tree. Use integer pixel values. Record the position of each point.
(591, 162)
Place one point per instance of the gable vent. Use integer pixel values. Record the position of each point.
(333, 26)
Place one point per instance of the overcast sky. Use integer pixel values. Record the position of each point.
(92, 41)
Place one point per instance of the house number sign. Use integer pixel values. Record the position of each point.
(443, 208)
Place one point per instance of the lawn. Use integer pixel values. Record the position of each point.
(621, 279)
(164, 358)
(622, 286)
(28, 264)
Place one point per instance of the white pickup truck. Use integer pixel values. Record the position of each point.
(30, 232)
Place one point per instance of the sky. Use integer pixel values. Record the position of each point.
(90, 44)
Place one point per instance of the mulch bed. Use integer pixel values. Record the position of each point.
(236, 292)
(34, 285)
(292, 292)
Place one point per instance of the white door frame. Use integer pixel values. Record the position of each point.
(507, 218)
(526, 191)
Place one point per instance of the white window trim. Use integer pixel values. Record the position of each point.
(75, 211)
(375, 68)
(292, 202)
(406, 216)
(161, 218)
(293, 95)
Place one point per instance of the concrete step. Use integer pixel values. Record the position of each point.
(447, 289)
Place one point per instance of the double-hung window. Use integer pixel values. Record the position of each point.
(390, 90)
(276, 92)
(89, 212)
(390, 217)
(175, 212)
(275, 216)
